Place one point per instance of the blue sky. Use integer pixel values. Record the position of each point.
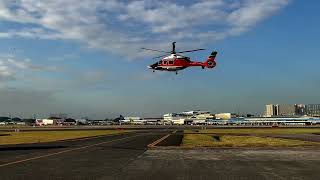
(84, 58)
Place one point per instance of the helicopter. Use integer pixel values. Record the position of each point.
(173, 61)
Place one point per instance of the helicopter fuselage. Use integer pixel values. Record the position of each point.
(176, 63)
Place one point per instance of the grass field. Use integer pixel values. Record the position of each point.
(49, 136)
(259, 131)
(207, 140)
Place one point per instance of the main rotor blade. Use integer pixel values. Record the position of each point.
(160, 56)
(154, 50)
(191, 50)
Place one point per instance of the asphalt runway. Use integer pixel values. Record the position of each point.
(226, 164)
(126, 156)
(96, 158)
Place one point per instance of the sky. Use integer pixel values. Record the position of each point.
(84, 58)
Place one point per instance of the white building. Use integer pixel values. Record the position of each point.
(280, 110)
(272, 110)
(133, 120)
(225, 116)
(187, 117)
(44, 122)
(173, 118)
(194, 113)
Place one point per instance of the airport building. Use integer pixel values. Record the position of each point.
(133, 120)
(275, 121)
(225, 116)
(313, 110)
(187, 117)
(173, 118)
(44, 122)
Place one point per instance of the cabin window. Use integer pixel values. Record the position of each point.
(164, 62)
(170, 62)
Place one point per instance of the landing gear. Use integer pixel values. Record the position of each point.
(153, 70)
(202, 67)
(176, 72)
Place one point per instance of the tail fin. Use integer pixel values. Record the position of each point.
(211, 63)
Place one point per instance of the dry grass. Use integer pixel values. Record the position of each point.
(49, 136)
(206, 140)
(260, 131)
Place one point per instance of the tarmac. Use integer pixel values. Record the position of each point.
(127, 156)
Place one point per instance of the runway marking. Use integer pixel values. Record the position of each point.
(65, 151)
(93, 137)
(153, 144)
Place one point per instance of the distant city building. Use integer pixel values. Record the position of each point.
(286, 110)
(272, 110)
(300, 109)
(313, 110)
(280, 110)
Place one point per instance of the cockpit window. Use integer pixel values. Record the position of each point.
(160, 62)
(187, 58)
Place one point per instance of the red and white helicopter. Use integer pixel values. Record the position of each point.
(173, 61)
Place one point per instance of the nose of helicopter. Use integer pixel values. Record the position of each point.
(149, 67)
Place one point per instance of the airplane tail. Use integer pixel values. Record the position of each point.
(210, 62)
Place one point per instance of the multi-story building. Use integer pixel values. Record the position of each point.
(272, 110)
(286, 110)
(300, 109)
(280, 110)
(313, 110)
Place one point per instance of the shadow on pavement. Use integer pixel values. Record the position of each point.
(21, 148)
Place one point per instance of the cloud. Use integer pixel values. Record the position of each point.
(122, 27)
(5, 72)
(10, 66)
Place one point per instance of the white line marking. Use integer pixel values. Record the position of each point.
(65, 151)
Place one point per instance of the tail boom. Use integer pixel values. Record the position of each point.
(209, 63)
